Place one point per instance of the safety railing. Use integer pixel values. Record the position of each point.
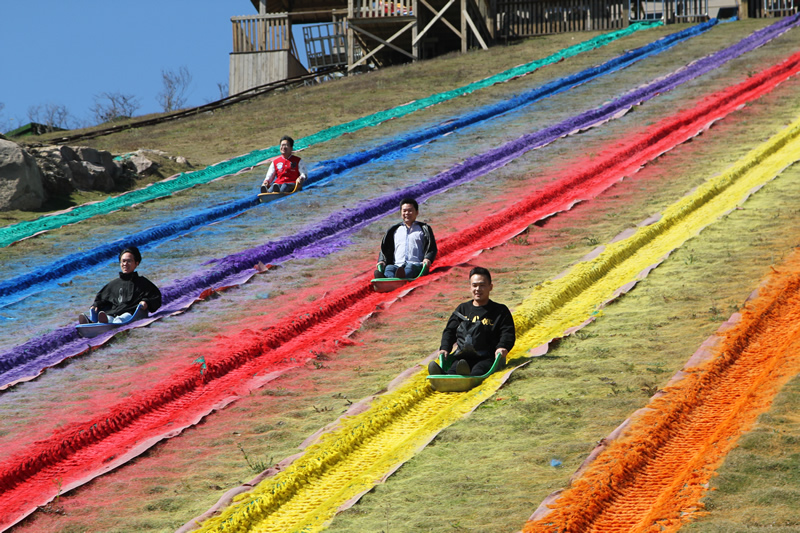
(379, 9)
(524, 18)
(262, 33)
(326, 45)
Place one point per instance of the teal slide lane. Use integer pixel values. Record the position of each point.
(16, 232)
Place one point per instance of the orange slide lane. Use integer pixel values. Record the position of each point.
(653, 476)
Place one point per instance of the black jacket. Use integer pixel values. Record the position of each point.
(485, 328)
(123, 294)
(387, 244)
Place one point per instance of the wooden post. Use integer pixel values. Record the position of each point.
(351, 58)
(262, 7)
(463, 26)
(414, 29)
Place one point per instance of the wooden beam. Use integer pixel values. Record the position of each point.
(464, 34)
(414, 47)
(475, 30)
(431, 23)
(383, 43)
(446, 22)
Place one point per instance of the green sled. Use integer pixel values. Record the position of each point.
(390, 284)
(456, 383)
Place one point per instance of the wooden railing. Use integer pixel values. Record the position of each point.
(262, 33)
(525, 18)
(381, 8)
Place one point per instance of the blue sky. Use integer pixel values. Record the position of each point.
(66, 52)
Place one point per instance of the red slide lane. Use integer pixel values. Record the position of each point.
(77, 454)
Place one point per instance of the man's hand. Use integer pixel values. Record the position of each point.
(503, 352)
(426, 262)
(143, 304)
(442, 353)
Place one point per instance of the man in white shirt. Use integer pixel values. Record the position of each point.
(407, 246)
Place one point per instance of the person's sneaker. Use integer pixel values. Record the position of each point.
(102, 317)
(83, 319)
(378, 274)
(462, 367)
(434, 369)
(400, 273)
(263, 189)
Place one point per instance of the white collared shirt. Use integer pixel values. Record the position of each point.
(409, 244)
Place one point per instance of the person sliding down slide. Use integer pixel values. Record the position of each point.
(117, 302)
(287, 172)
(482, 330)
(408, 247)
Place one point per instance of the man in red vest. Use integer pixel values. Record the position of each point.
(285, 171)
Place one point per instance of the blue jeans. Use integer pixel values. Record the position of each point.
(283, 187)
(412, 270)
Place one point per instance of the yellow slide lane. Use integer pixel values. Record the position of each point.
(350, 460)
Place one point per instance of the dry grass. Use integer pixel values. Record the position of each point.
(468, 479)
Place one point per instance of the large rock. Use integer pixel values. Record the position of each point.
(20, 179)
(143, 165)
(56, 174)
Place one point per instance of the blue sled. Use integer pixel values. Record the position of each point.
(94, 329)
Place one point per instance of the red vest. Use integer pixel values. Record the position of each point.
(286, 170)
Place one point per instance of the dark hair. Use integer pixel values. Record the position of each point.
(289, 139)
(481, 272)
(410, 201)
(137, 255)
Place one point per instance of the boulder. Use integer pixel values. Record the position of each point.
(142, 164)
(90, 176)
(20, 178)
(56, 174)
(68, 154)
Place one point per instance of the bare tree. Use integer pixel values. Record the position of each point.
(51, 115)
(173, 96)
(223, 90)
(113, 106)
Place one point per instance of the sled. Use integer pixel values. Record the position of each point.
(456, 383)
(94, 329)
(390, 284)
(265, 197)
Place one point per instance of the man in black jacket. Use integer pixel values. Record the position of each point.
(118, 300)
(408, 246)
(481, 329)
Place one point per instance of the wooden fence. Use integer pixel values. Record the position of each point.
(380, 9)
(772, 8)
(525, 18)
(262, 33)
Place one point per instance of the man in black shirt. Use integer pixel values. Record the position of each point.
(481, 329)
(118, 300)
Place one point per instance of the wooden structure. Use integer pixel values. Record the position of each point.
(264, 51)
(769, 8)
(372, 33)
(364, 34)
(525, 18)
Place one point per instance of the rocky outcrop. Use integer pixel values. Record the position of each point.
(21, 184)
(68, 168)
(31, 175)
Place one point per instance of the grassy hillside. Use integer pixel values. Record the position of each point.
(491, 470)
